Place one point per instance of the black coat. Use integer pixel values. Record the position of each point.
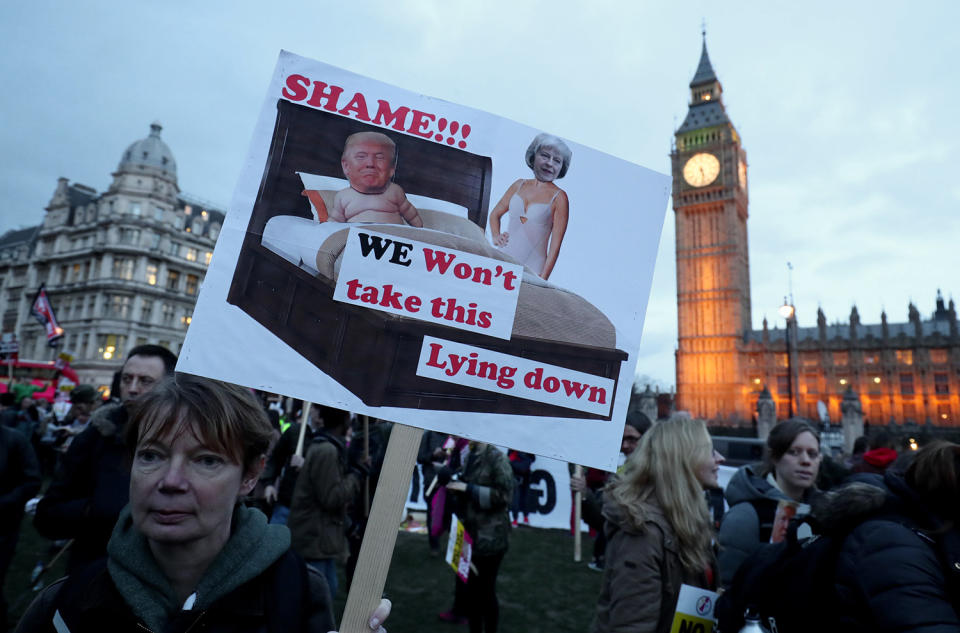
(19, 478)
(899, 568)
(90, 487)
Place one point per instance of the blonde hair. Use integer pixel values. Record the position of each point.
(663, 471)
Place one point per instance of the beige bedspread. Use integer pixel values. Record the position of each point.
(543, 311)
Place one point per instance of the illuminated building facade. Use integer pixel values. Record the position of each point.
(122, 267)
(902, 372)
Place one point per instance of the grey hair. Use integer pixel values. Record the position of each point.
(549, 140)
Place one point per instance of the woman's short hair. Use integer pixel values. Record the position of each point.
(224, 416)
(935, 475)
(553, 142)
(781, 438)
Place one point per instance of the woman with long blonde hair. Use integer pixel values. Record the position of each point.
(659, 532)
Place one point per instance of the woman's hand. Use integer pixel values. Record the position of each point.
(378, 617)
(501, 239)
(457, 486)
(578, 484)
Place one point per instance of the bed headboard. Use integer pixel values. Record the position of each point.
(310, 140)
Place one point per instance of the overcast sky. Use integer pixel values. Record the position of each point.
(848, 112)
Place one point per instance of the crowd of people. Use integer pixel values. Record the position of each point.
(895, 519)
(186, 502)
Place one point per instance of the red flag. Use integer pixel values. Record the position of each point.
(42, 311)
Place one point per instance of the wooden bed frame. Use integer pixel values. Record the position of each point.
(373, 354)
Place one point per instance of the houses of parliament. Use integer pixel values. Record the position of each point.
(901, 372)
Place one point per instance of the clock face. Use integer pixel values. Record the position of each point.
(742, 173)
(701, 169)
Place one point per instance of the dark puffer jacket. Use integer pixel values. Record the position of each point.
(739, 535)
(899, 569)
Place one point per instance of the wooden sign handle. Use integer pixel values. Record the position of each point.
(304, 420)
(577, 497)
(386, 514)
(366, 460)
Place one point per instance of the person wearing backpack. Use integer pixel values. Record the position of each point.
(754, 492)
(658, 528)
(899, 568)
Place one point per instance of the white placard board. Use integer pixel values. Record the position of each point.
(266, 316)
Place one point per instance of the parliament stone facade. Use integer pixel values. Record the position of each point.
(900, 372)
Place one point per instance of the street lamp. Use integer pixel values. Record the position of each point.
(787, 311)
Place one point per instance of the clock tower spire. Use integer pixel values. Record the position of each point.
(713, 271)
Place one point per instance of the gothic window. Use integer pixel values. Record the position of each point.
(906, 384)
(874, 384)
(871, 359)
(783, 384)
(840, 359)
(905, 356)
(941, 383)
(938, 356)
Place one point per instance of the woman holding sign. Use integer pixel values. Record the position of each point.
(538, 208)
(186, 554)
(658, 528)
(485, 489)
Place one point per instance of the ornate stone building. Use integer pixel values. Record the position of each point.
(900, 372)
(122, 267)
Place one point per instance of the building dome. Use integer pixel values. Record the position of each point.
(149, 156)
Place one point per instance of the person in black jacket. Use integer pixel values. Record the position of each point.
(899, 567)
(19, 481)
(92, 482)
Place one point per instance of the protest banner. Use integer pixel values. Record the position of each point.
(694, 612)
(408, 323)
(459, 548)
(514, 323)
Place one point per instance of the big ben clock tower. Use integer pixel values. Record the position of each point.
(713, 269)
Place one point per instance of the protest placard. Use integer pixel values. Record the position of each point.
(362, 265)
(694, 612)
(504, 278)
(459, 548)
